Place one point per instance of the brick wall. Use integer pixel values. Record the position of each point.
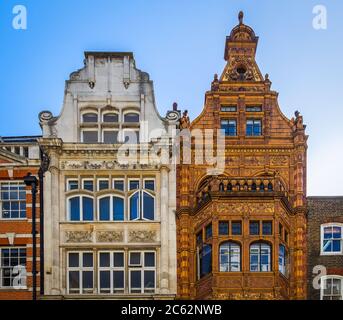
(322, 210)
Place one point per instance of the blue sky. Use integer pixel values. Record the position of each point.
(181, 44)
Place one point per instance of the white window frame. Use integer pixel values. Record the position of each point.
(111, 196)
(119, 179)
(24, 287)
(149, 179)
(109, 130)
(89, 129)
(110, 112)
(17, 183)
(139, 205)
(142, 268)
(323, 280)
(80, 269)
(81, 196)
(322, 227)
(133, 179)
(112, 269)
(84, 112)
(142, 206)
(72, 179)
(83, 184)
(101, 180)
(229, 253)
(131, 112)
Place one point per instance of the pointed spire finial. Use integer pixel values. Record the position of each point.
(240, 17)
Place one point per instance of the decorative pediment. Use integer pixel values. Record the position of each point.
(242, 69)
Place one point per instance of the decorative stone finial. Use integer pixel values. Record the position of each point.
(175, 106)
(240, 17)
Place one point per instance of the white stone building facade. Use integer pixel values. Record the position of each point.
(109, 224)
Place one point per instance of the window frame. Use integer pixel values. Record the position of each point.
(228, 127)
(127, 112)
(254, 120)
(112, 269)
(17, 184)
(105, 113)
(68, 180)
(229, 254)
(323, 280)
(80, 269)
(103, 131)
(89, 130)
(322, 229)
(142, 268)
(259, 262)
(111, 196)
(99, 180)
(2, 287)
(80, 196)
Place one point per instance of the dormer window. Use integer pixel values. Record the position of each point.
(90, 117)
(131, 117)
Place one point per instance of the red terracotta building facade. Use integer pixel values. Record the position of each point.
(242, 232)
(18, 157)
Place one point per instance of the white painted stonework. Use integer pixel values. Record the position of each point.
(109, 84)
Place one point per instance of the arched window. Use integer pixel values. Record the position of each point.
(90, 117)
(230, 257)
(131, 117)
(81, 208)
(270, 187)
(260, 257)
(331, 288)
(111, 117)
(332, 239)
(111, 208)
(283, 258)
(262, 187)
(142, 202)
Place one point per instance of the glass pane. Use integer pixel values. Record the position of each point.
(223, 228)
(118, 207)
(134, 185)
(118, 279)
(135, 258)
(88, 260)
(131, 117)
(104, 260)
(88, 185)
(136, 279)
(236, 228)
(337, 232)
(119, 185)
(87, 209)
(267, 228)
(131, 136)
(327, 246)
(73, 185)
(327, 232)
(149, 184)
(149, 259)
(90, 117)
(74, 279)
(148, 206)
(111, 137)
(90, 136)
(105, 280)
(336, 245)
(254, 228)
(208, 232)
(149, 279)
(103, 185)
(206, 260)
(118, 259)
(111, 117)
(74, 260)
(104, 207)
(74, 206)
(134, 206)
(87, 279)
